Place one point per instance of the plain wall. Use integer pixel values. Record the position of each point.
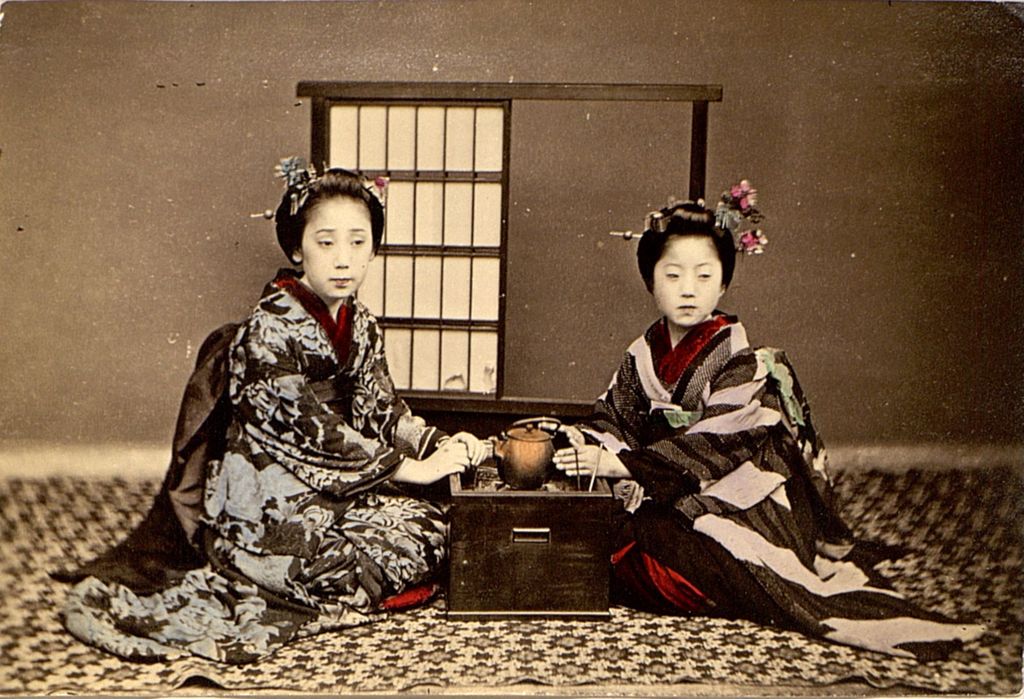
(886, 141)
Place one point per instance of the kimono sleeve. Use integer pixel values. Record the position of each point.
(378, 409)
(618, 416)
(279, 410)
(738, 415)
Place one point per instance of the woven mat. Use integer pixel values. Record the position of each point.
(964, 528)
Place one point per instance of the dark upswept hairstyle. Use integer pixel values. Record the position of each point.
(686, 218)
(336, 182)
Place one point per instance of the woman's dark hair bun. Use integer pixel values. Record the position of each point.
(684, 218)
(334, 183)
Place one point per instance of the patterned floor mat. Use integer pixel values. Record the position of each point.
(964, 529)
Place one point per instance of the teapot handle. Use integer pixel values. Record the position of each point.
(548, 424)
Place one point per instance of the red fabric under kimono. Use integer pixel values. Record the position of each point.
(302, 528)
(729, 508)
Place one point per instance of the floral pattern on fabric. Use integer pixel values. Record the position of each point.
(304, 531)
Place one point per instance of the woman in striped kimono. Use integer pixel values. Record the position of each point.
(727, 504)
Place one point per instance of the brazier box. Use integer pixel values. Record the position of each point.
(529, 553)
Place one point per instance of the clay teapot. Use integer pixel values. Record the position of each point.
(524, 452)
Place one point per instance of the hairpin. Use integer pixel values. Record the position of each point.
(736, 208)
(298, 177)
(657, 220)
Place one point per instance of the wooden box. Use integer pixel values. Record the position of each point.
(530, 553)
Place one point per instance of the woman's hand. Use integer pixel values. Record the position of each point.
(576, 438)
(589, 459)
(476, 449)
(450, 457)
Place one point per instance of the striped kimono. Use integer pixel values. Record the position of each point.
(302, 529)
(729, 510)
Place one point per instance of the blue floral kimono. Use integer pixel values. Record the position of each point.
(302, 529)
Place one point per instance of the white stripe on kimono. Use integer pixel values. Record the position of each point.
(737, 339)
(745, 486)
(884, 635)
(747, 417)
(779, 496)
(735, 395)
(749, 546)
(641, 352)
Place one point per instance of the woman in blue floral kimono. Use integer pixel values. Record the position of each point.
(306, 526)
(727, 503)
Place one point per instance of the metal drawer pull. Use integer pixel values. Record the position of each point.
(524, 535)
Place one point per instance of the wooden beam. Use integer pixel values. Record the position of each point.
(420, 91)
(698, 150)
(475, 403)
(319, 137)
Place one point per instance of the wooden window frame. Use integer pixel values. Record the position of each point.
(324, 94)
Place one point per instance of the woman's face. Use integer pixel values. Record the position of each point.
(687, 282)
(337, 246)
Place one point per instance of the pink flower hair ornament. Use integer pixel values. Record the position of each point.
(738, 214)
(378, 187)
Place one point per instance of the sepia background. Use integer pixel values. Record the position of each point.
(886, 140)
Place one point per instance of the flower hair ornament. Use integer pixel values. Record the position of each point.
(299, 177)
(735, 215)
(378, 187)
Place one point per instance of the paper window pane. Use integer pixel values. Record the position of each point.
(428, 286)
(398, 215)
(456, 287)
(430, 138)
(427, 303)
(458, 146)
(454, 360)
(425, 359)
(373, 131)
(487, 214)
(458, 213)
(344, 127)
(486, 283)
(398, 286)
(398, 349)
(402, 138)
(429, 213)
(489, 139)
(483, 362)
(371, 293)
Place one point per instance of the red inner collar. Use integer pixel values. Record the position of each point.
(339, 329)
(670, 362)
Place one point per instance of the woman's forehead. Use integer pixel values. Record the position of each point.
(340, 213)
(689, 249)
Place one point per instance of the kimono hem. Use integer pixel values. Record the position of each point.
(299, 528)
(731, 494)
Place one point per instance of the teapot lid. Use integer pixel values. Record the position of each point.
(528, 434)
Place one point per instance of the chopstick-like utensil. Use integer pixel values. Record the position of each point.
(593, 474)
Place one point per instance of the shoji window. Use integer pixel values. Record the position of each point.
(436, 283)
(438, 286)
